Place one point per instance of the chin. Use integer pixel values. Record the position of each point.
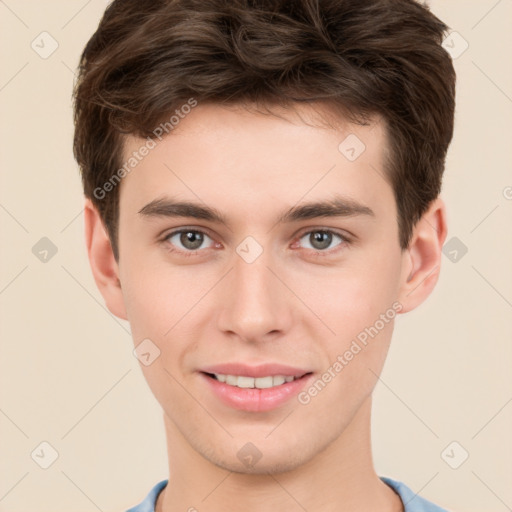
(266, 461)
(273, 467)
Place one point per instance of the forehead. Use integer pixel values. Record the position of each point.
(251, 162)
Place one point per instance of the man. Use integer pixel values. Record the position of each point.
(262, 186)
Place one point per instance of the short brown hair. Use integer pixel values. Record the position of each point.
(362, 57)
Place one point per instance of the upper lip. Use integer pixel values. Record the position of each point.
(262, 370)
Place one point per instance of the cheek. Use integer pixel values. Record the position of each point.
(161, 303)
(147, 307)
(153, 294)
(154, 311)
(363, 321)
(351, 298)
(359, 305)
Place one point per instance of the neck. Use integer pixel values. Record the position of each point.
(341, 478)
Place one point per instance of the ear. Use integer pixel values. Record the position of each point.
(422, 259)
(103, 264)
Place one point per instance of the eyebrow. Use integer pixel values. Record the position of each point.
(336, 207)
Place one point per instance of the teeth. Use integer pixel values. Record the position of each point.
(232, 380)
(264, 382)
(242, 381)
(245, 382)
(278, 380)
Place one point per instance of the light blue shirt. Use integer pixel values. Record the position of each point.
(411, 501)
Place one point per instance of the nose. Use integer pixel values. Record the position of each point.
(256, 305)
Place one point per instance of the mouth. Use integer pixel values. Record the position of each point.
(246, 382)
(254, 389)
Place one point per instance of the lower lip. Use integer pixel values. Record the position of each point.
(254, 399)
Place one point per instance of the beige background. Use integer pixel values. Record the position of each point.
(67, 373)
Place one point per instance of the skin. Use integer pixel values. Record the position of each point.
(287, 306)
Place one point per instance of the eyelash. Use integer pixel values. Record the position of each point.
(345, 241)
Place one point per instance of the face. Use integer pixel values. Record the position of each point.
(271, 290)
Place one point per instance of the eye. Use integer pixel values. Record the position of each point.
(191, 240)
(321, 239)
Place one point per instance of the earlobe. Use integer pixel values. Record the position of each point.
(422, 259)
(104, 267)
